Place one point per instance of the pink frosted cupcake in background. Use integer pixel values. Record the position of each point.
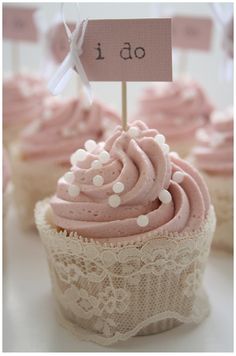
(213, 156)
(6, 189)
(176, 109)
(43, 152)
(127, 236)
(23, 101)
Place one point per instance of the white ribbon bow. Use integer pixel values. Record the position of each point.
(72, 60)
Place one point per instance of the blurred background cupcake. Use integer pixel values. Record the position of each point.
(43, 151)
(24, 96)
(213, 156)
(176, 109)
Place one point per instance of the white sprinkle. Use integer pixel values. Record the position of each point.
(67, 132)
(165, 196)
(174, 154)
(142, 220)
(47, 114)
(189, 94)
(73, 190)
(81, 126)
(69, 177)
(114, 201)
(25, 90)
(90, 145)
(98, 180)
(178, 177)
(217, 116)
(104, 156)
(165, 148)
(133, 132)
(160, 139)
(96, 164)
(73, 159)
(33, 127)
(118, 187)
(80, 154)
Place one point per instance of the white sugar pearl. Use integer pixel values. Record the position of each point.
(142, 220)
(118, 187)
(165, 148)
(47, 114)
(104, 156)
(67, 132)
(174, 154)
(165, 196)
(25, 90)
(69, 177)
(73, 159)
(90, 145)
(160, 139)
(80, 154)
(189, 94)
(73, 190)
(114, 201)
(98, 180)
(96, 164)
(133, 132)
(178, 177)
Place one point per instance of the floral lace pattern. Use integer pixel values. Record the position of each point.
(108, 292)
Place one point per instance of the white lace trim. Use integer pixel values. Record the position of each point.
(108, 292)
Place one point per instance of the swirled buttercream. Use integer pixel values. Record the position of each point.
(141, 187)
(214, 149)
(176, 109)
(65, 126)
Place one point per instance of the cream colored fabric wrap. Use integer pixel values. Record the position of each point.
(221, 191)
(111, 291)
(33, 181)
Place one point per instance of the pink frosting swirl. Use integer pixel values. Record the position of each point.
(65, 126)
(156, 191)
(23, 98)
(177, 109)
(214, 150)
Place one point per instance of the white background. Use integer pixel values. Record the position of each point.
(205, 67)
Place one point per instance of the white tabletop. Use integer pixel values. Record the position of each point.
(29, 322)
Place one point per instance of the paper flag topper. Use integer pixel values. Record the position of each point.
(19, 24)
(192, 32)
(122, 50)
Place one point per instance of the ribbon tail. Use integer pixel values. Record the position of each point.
(81, 72)
(61, 77)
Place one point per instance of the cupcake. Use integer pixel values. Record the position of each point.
(43, 152)
(176, 109)
(23, 98)
(6, 183)
(213, 156)
(127, 236)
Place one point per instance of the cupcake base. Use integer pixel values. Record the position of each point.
(221, 191)
(110, 291)
(33, 181)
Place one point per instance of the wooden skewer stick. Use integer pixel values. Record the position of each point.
(124, 106)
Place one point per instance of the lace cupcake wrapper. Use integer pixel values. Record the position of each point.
(221, 191)
(109, 291)
(33, 181)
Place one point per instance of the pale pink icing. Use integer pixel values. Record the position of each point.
(65, 126)
(144, 169)
(6, 170)
(23, 98)
(214, 150)
(177, 109)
